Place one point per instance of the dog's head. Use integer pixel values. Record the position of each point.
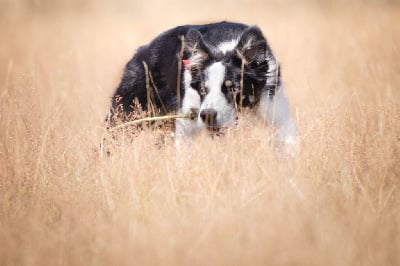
(222, 76)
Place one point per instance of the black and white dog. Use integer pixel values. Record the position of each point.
(218, 67)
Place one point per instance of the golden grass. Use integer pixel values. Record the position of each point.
(226, 201)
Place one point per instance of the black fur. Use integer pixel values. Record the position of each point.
(161, 56)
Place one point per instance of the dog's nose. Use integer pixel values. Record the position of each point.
(209, 116)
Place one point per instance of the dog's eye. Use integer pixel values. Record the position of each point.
(228, 61)
(228, 83)
(228, 86)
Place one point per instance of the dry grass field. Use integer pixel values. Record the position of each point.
(230, 201)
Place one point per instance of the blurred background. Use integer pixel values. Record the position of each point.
(316, 42)
(63, 204)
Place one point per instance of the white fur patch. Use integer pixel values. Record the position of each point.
(228, 46)
(214, 75)
(215, 99)
(191, 100)
(276, 111)
(192, 97)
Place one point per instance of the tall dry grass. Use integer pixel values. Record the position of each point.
(227, 201)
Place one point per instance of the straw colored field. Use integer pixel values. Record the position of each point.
(228, 201)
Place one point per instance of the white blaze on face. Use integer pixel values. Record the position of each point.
(215, 99)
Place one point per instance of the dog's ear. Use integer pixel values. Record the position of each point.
(194, 41)
(252, 46)
(195, 45)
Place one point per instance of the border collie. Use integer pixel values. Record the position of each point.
(211, 70)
